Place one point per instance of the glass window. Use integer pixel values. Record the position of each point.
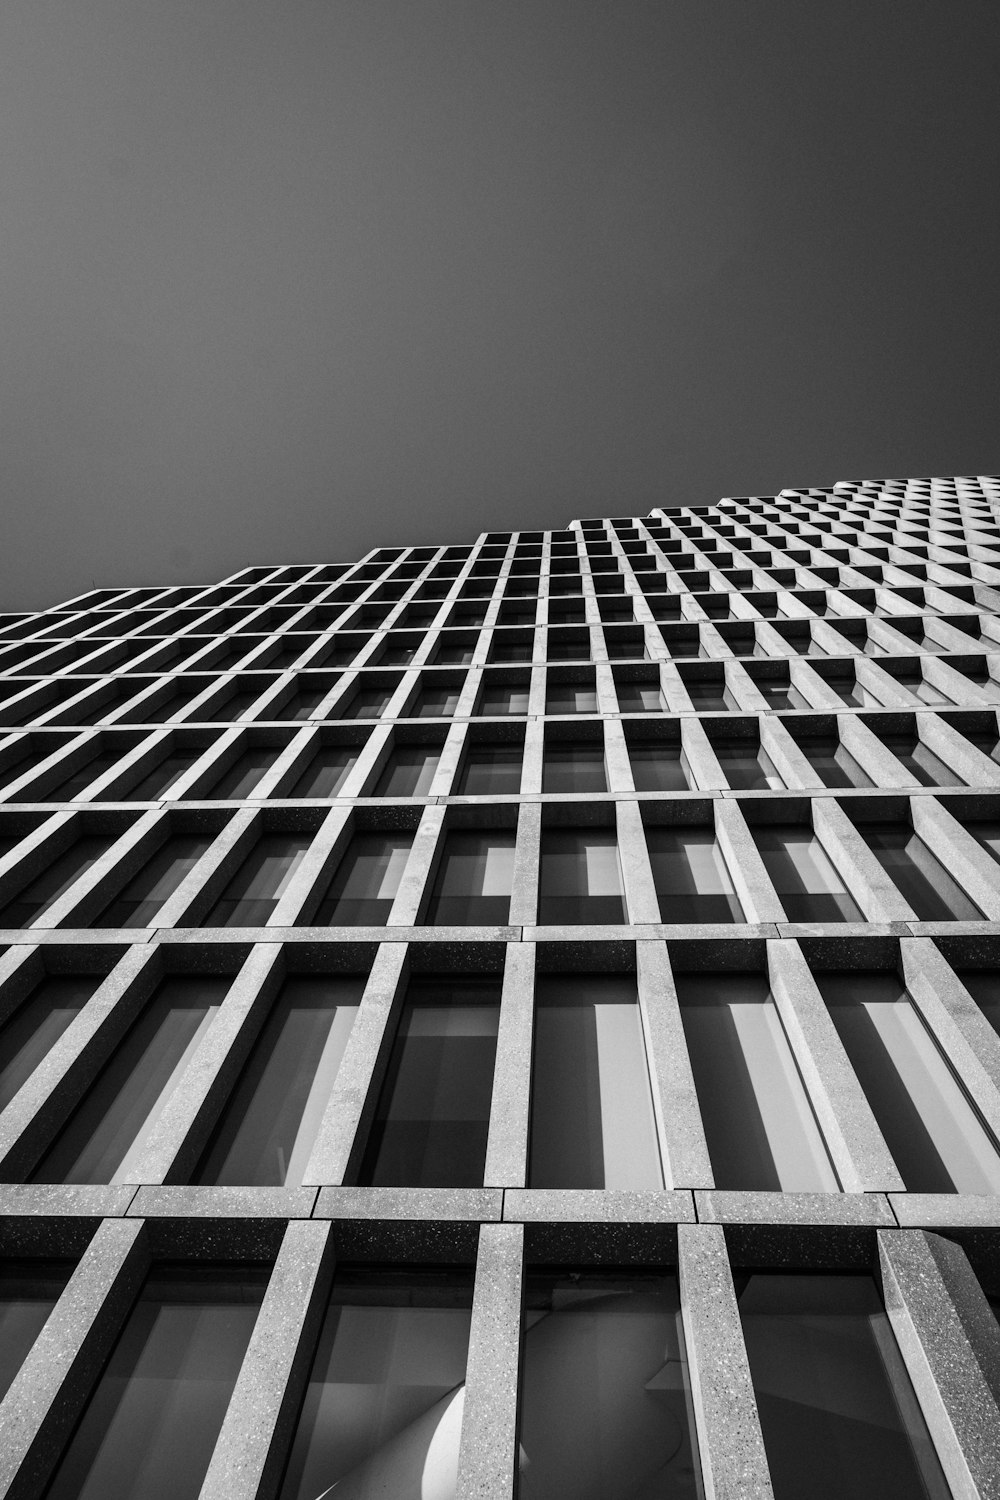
(658, 766)
(759, 1125)
(920, 761)
(367, 703)
(936, 1137)
(243, 775)
(639, 697)
(474, 880)
(157, 782)
(747, 766)
(803, 875)
(574, 766)
(29, 1290)
(834, 765)
(45, 889)
(491, 768)
(270, 1122)
(37, 1024)
(433, 1113)
(580, 879)
(259, 884)
(301, 703)
(922, 879)
(326, 772)
(834, 1397)
(104, 1136)
(364, 887)
(571, 698)
(77, 781)
(435, 703)
(155, 1414)
(503, 699)
(692, 881)
(592, 1122)
(605, 1393)
(382, 1413)
(409, 771)
(707, 695)
(142, 897)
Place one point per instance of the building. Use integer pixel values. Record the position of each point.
(531, 1005)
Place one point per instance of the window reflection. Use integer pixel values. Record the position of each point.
(803, 875)
(580, 877)
(475, 879)
(252, 895)
(37, 1024)
(29, 1290)
(367, 880)
(692, 880)
(920, 877)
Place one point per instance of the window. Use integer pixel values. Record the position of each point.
(834, 765)
(367, 703)
(156, 1411)
(834, 1398)
(759, 1125)
(326, 772)
(474, 880)
(383, 1405)
(45, 889)
(692, 881)
(37, 1024)
(503, 699)
(103, 1138)
(29, 1290)
(592, 1122)
(270, 1122)
(605, 1393)
(920, 761)
(409, 771)
(580, 877)
(574, 766)
(936, 1137)
(69, 786)
(571, 698)
(367, 879)
(432, 1119)
(435, 703)
(658, 766)
(243, 775)
(921, 878)
(257, 887)
(157, 782)
(491, 767)
(747, 766)
(301, 703)
(803, 875)
(137, 904)
(639, 697)
(707, 694)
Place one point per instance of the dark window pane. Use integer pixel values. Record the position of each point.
(574, 766)
(157, 782)
(435, 703)
(256, 889)
(984, 987)
(747, 767)
(503, 700)
(571, 698)
(364, 887)
(658, 767)
(243, 775)
(491, 769)
(367, 703)
(300, 704)
(474, 879)
(433, 1113)
(804, 876)
(146, 892)
(29, 1290)
(37, 1025)
(921, 761)
(639, 697)
(832, 763)
(605, 1395)
(707, 696)
(39, 894)
(272, 1117)
(836, 1406)
(326, 772)
(156, 1412)
(921, 878)
(409, 772)
(690, 875)
(580, 877)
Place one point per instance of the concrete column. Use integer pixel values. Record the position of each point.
(507, 1145)
(683, 1148)
(527, 863)
(857, 866)
(963, 1032)
(420, 868)
(487, 1462)
(753, 885)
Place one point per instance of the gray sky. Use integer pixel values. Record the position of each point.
(283, 280)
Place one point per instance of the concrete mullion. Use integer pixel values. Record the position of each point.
(210, 765)
(152, 696)
(745, 692)
(857, 866)
(774, 642)
(961, 854)
(699, 754)
(42, 1101)
(409, 683)
(22, 967)
(91, 890)
(715, 646)
(749, 874)
(260, 1421)
(319, 857)
(67, 751)
(675, 694)
(730, 1443)
(814, 688)
(874, 758)
(507, 1144)
(616, 758)
(189, 713)
(884, 686)
(974, 767)
(488, 1453)
(527, 862)
(451, 755)
(466, 705)
(683, 1147)
(338, 695)
(170, 1149)
(353, 1096)
(956, 686)
(284, 764)
(204, 884)
(142, 757)
(950, 1345)
(862, 1159)
(372, 757)
(536, 693)
(963, 1032)
(637, 874)
(794, 768)
(532, 765)
(419, 870)
(32, 854)
(49, 1392)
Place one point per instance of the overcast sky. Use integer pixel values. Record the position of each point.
(283, 280)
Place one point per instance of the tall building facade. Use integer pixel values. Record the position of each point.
(512, 1018)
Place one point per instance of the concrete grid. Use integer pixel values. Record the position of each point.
(867, 614)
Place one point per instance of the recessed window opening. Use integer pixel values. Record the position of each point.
(491, 767)
(326, 772)
(366, 882)
(409, 771)
(747, 766)
(919, 875)
(137, 904)
(580, 879)
(574, 766)
(475, 879)
(803, 875)
(254, 892)
(244, 774)
(691, 877)
(45, 889)
(36, 1025)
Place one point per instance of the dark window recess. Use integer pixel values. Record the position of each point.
(139, 901)
(639, 697)
(103, 1138)
(435, 703)
(254, 892)
(270, 1122)
(409, 771)
(574, 766)
(326, 772)
(433, 1113)
(364, 887)
(937, 1139)
(580, 879)
(920, 877)
(37, 1024)
(300, 704)
(29, 1290)
(157, 782)
(474, 880)
(920, 761)
(804, 876)
(658, 766)
(692, 880)
(77, 781)
(982, 984)
(382, 1407)
(834, 1398)
(605, 1394)
(243, 775)
(571, 698)
(491, 769)
(234, 706)
(39, 894)
(367, 703)
(156, 1411)
(707, 696)
(746, 765)
(592, 1120)
(503, 700)
(832, 763)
